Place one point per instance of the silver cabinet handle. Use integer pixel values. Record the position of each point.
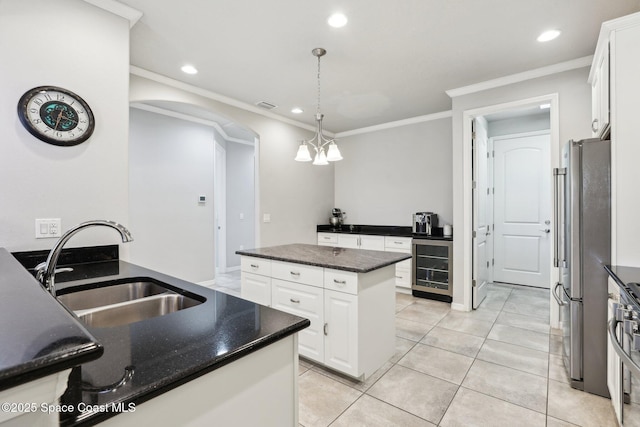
(326, 238)
(295, 273)
(594, 125)
(255, 266)
(555, 295)
(397, 243)
(295, 301)
(326, 329)
(339, 282)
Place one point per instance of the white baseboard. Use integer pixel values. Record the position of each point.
(458, 307)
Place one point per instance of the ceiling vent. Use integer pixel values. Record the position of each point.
(266, 105)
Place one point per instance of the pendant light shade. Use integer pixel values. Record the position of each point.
(319, 142)
(303, 153)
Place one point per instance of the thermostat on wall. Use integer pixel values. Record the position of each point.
(202, 200)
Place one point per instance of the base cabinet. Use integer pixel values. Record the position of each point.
(352, 314)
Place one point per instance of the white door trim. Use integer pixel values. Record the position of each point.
(465, 235)
(220, 207)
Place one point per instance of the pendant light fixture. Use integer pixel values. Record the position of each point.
(319, 142)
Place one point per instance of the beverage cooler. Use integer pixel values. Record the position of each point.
(432, 269)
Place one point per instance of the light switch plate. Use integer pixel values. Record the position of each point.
(48, 228)
(266, 218)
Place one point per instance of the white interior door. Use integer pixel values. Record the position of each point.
(481, 209)
(522, 209)
(220, 208)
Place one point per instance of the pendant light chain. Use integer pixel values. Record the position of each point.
(318, 108)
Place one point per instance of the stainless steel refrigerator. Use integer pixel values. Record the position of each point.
(583, 247)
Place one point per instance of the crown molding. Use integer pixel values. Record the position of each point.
(141, 72)
(117, 8)
(189, 118)
(574, 64)
(397, 123)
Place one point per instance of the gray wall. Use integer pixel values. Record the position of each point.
(296, 195)
(38, 180)
(389, 174)
(240, 200)
(170, 165)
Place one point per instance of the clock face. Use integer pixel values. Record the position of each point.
(56, 115)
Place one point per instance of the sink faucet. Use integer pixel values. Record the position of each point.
(45, 271)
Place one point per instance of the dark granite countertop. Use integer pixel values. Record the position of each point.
(38, 336)
(162, 352)
(381, 230)
(356, 260)
(628, 280)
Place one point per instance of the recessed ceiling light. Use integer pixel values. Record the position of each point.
(545, 106)
(337, 20)
(548, 35)
(297, 110)
(189, 69)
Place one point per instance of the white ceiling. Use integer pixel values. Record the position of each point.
(394, 59)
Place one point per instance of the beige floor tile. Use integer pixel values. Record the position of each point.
(521, 388)
(411, 330)
(535, 324)
(352, 382)
(531, 291)
(321, 399)
(457, 342)
(527, 305)
(485, 313)
(495, 299)
(470, 408)
(403, 346)
(554, 422)
(516, 357)
(415, 392)
(370, 412)
(555, 344)
(518, 336)
(465, 322)
(421, 313)
(437, 362)
(557, 371)
(586, 409)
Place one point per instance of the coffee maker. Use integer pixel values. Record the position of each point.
(424, 222)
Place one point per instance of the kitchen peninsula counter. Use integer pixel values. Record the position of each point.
(347, 294)
(229, 346)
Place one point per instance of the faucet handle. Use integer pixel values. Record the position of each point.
(39, 270)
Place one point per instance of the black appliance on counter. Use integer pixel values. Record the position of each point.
(424, 222)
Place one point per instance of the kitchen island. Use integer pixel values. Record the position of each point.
(202, 365)
(347, 294)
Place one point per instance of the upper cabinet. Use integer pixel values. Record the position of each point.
(615, 79)
(600, 123)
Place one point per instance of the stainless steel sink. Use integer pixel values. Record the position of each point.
(135, 311)
(107, 295)
(121, 304)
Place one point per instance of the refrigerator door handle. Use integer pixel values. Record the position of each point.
(556, 296)
(558, 193)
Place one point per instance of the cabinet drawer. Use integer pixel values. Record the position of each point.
(343, 281)
(391, 242)
(255, 265)
(299, 273)
(256, 288)
(372, 243)
(328, 239)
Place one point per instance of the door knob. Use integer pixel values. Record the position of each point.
(546, 230)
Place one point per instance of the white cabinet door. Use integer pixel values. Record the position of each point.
(256, 288)
(349, 241)
(374, 243)
(341, 341)
(304, 301)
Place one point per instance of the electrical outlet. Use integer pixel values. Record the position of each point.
(266, 218)
(48, 228)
